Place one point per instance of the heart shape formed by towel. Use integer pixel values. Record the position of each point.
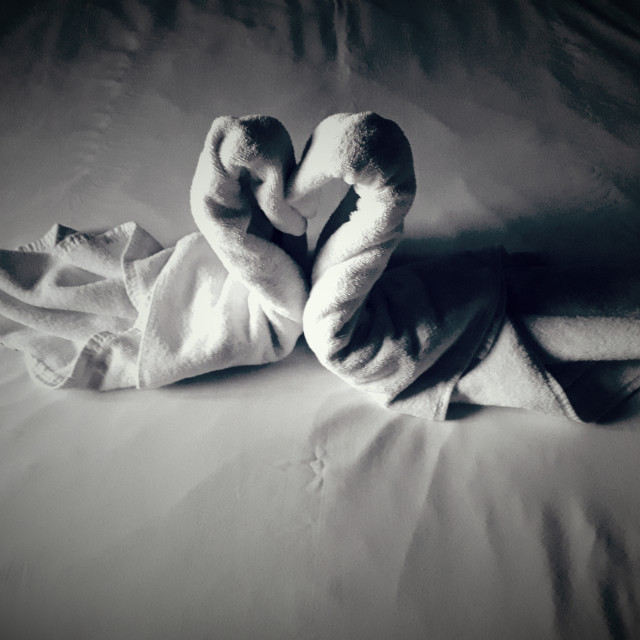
(114, 309)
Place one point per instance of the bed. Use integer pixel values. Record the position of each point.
(276, 501)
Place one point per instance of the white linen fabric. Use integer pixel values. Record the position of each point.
(278, 502)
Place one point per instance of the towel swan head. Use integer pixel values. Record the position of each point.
(373, 156)
(242, 156)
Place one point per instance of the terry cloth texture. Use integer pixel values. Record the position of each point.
(115, 309)
(475, 328)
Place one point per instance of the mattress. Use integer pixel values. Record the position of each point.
(276, 501)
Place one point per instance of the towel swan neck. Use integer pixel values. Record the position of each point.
(240, 179)
(371, 154)
(406, 334)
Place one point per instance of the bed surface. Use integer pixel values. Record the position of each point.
(276, 501)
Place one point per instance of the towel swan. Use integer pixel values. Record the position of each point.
(114, 309)
(462, 328)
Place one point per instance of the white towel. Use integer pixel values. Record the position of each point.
(115, 309)
(469, 327)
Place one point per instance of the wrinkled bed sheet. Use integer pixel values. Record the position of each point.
(275, 501)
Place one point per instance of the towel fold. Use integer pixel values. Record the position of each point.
(115, 309)
(476, 328)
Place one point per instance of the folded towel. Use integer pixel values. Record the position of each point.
(115, 309)
(471, 328)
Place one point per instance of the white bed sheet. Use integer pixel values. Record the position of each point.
(276, 502)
